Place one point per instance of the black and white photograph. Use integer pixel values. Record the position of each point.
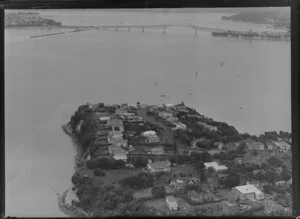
(148, 112)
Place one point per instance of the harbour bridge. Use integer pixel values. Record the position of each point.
(143, 28)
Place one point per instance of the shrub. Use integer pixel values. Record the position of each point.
(97, 172)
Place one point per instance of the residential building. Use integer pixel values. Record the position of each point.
(249, 192)
(181, 108)
(231, 146)
(194, 197)
(172, 119)
(179, 125)
(271, 145)
(165, 114)
(104, 118)
(117, 152)
(220, 145)
(153, 139)
(121, 111)
(255, 145)
(71, 197)
(157, 150)
(149, 133)
(159, 166)
(208, 127)
(215, 166)
(171, 203)
(282, 146)
(116, 124)
(177, 184)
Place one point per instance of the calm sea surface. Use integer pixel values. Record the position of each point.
(47, 78)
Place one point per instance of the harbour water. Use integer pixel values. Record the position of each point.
(47, 78)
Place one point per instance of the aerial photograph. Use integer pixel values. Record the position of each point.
(148, 112)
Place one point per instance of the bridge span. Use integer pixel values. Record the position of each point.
(128, 28)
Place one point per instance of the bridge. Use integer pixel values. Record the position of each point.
(129, 28)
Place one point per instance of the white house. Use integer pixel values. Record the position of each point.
(149, 133)
(171, 203)
(179, 125)
(165, 115)
(249, 192)
(215, 166)
(117, 152)
(282, 146)
(159, 166)
(71, 197)
(104, 118)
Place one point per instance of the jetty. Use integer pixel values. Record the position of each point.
(44, 35)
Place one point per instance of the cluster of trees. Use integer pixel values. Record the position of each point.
(230, 181)
(139, 181)
(139, 161)
(269, 189)
(105, 163)
(275, 162)
(158, 191)
(225, 133)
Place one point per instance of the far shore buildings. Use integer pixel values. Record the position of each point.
(159, 166)
(215, 166)
(171, 203)
(151, 136)
(247, 192)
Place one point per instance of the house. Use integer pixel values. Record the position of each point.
(104, 118)
(194, 197)
(255, 145)
(177, 183)
(271, 145)
(282, 146)
(208, 127)
(231, 146)
(149, 133)
(171, 203)
(121, 111)
(157, 150)
(153, 139)
(179, 125)
(172, 119)
(222, 175)
(117, 152)
(181, 108)
(165, 114)
(215, 166)
(71, 197)
(280, 183)
(249, 192)
(220, 145)
(115, 136)
(116, 124)
(159, 166)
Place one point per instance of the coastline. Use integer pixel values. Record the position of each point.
(74, 211)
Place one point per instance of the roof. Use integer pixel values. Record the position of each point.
(117, 150)
(207, 126)
(104, 118)
(157, 149)
(115, 122)
(160, 164)
(194, 194)
(248, 189)
(281, 144)
(255, 143)
(215, 165)
(171, 198)
(149, 133)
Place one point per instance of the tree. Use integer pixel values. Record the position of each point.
(158, 191)
(232, 181)
(270, 177)
(97, 172)
(254, 153)
(140, 162)
(275, 161)
(285, 176)
(182, 159)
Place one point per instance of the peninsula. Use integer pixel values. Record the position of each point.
(170, 160)
(28, 19)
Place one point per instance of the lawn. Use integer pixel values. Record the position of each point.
(111, 175)
(143, 193)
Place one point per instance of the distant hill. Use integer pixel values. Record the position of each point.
(277, 16)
